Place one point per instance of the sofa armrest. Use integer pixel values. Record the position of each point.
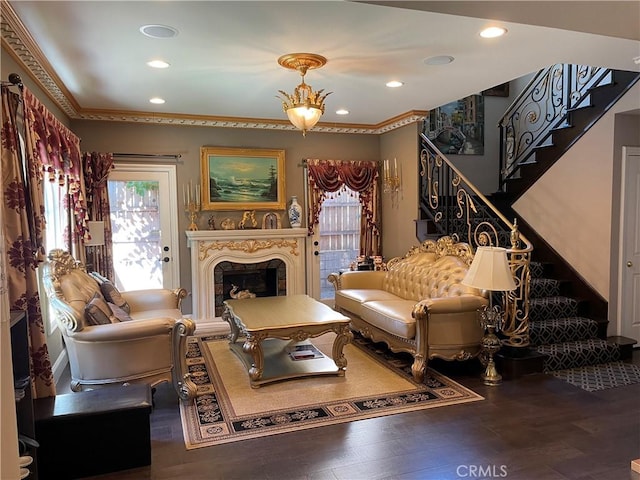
(124, 331)
(459, 303)
(154, 299)
(358, 279)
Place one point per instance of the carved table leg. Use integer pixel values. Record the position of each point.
(228, 317)
(343, 337)
(253, 347)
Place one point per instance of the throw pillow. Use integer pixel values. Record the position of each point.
(97, 312)
(110, 292)
(119, 314)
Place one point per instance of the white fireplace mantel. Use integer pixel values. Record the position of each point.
(210, 247)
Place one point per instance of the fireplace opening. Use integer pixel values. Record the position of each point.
(264, 279)
(262, 283)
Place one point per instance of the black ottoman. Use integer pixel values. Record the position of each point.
(93, 432)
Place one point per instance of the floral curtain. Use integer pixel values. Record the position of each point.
(36, 148)
(23, 225)
(326, 177)
(96, 168)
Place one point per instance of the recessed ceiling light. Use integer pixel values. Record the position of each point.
(158, 31)
(439, 60)
(157, 100)
(394, 84)
(493, 32)
(342, 111)
(158, 64)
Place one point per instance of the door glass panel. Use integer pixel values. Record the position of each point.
(135, 222)
(339, 232)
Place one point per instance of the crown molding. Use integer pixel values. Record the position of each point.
(238, 122)
(23, 48)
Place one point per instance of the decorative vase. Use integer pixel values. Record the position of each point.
(295, 213)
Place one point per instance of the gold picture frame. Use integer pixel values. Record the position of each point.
(242, 179)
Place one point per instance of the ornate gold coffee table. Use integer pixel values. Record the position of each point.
(273, 325)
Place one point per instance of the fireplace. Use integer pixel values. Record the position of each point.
(250, 259)
(263, 279)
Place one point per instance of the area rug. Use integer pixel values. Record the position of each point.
(376, 384)
(602, 376)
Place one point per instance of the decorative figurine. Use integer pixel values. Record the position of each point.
(248, 220)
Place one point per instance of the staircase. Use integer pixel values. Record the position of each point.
(567, 317)
(568, 326)
(534, 148)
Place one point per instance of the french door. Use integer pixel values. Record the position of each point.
(335, 243)
(144, 222)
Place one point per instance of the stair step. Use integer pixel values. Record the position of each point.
(544, 287)
(561, 356)
(539, 269)
(626, 345)
(552, 307)
(558, 330)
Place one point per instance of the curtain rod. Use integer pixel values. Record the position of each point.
(156, 156)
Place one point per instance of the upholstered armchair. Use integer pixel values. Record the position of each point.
(114, 337)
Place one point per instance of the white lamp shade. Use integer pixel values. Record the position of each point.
(490, 270)
(96, 233)
(303, 117)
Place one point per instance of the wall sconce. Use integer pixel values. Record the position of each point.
(490, 271)
(390, 177)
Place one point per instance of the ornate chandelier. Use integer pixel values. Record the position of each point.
(304, 107)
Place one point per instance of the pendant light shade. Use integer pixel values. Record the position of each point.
(304, 107)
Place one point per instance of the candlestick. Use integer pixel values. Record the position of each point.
(192, 203)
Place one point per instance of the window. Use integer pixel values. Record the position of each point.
(57, 231)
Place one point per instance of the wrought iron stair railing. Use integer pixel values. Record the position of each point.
(542, 107)
(454, 206)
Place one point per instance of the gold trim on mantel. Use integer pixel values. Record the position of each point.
(23, 48)
(247, 241)
(247, 246)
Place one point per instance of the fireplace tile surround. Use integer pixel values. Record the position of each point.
(253, 246)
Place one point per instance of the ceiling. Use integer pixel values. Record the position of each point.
(91, 57)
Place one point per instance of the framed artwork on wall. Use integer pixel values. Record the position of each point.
(457, 127)
(242, 179)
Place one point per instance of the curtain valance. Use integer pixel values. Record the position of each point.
(57, 150)
(328, 176)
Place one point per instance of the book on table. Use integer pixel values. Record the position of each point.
(304, 351)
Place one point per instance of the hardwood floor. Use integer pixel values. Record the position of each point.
(532, 428)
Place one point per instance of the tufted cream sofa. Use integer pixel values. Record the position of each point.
(418, 305)
(140, 337)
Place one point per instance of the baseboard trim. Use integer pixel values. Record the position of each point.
(60, 365)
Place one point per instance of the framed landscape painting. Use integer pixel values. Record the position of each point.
(242, 179)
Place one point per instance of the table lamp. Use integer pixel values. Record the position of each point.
(490, 271)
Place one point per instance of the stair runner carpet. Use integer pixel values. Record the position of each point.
(601, 376)
(570, 342)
